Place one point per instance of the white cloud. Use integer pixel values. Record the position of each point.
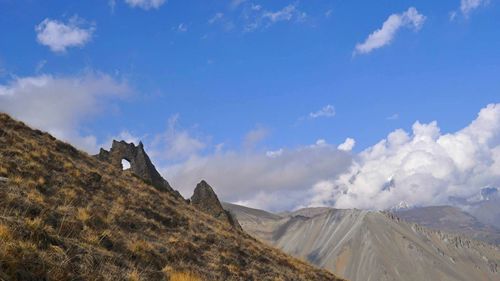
(256, 16)
(347, 145)
(385, 35)
(60, 105)
(145, 4)
(425, 167)
(255, 136)
(278, 180)
(284, 14)
(182, 27)
(275, 153)
(236, 3)
(112, 5)
(395, 116)
(175, 144)
(328, 13)
(217, 17)
(467, 6)
(326, 111)
(59, 36)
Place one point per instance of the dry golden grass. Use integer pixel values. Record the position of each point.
(184, 276)
(134, 275)
(82, 214)
(5, 234)
(67, 216)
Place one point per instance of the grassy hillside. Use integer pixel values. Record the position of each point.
(66, 216)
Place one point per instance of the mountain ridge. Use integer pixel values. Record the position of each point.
(371, 245)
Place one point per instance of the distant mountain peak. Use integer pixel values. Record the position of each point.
(403, 205)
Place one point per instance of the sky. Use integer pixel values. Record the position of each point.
(277, 104)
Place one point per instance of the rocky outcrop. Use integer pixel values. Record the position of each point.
(140, 164)
(205, 199)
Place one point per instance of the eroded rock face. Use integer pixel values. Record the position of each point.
(205, 199)
(140, 164)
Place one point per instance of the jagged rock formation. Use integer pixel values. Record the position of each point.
(363, 245)
(140, 164)
(205, 199)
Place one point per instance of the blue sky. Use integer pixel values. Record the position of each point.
(229, 73)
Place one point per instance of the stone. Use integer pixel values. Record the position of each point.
(205, 200)
(140, 163)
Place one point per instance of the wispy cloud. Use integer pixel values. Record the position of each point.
(145, 4)
(257, 17)
(235, 3)
(217, 17)
(176, 143)
(395, 116)
(182, 27)
(255, 136)
(467, 6)
(59, 36)
(385, 35)
(327, 111)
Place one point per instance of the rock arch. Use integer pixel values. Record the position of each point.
(140, 164)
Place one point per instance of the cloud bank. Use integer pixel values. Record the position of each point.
(273, 180)
(424, 167)
(60, 105)
(385, 35)
(59, 36)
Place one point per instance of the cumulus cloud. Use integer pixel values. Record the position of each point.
(145, 4)
(60, 105)
(59, 36)
(326, 111)
(424, 167)
(277, 180)
(385, 35)
(347, 145)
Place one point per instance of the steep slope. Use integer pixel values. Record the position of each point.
(67, 216)
(362, 245)
(451, 219)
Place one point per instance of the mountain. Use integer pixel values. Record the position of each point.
(487, 207)
(363, 245)
(65, 215)
(451, 219)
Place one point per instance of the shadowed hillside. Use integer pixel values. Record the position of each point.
(67, 216)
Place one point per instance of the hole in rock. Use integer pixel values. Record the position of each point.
(125, 164)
